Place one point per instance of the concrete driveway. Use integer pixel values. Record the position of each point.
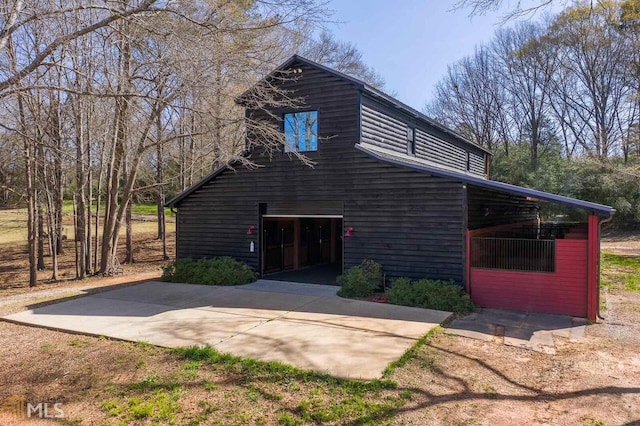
(533, 331)
(304, 325)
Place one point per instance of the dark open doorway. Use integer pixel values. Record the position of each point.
(310, 246)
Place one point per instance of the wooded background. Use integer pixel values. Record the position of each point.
(557, 99)
(109, 102)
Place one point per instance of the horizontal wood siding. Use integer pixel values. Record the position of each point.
(381, 130)
(440, 152)
(387, 128)
(214, 219)
(490, 208)
(410, 222)
(563, 292)
(476, 163)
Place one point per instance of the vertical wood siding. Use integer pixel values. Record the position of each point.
(387, 128)
(562, 292)
(408, 221)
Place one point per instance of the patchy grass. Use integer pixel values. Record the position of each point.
(150, 210)
(412, 352)
(254, 369)
(159, 405)
(198, 385)
(326, 399)
(620, 272)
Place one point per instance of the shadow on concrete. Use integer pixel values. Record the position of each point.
(534, 331)
(301, 324)
(261, 299)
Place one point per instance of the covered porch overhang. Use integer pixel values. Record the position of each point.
(513, 260)
(480, 182)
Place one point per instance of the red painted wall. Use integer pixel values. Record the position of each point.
(562, 292)
(593, 267)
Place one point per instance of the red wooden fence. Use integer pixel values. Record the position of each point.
(570, 290)
(561, 292)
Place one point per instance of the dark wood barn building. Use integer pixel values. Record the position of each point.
(392, 185)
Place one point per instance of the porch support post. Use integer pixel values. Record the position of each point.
(593, 267)
(296, 243)
(467, 266)
(334, 231)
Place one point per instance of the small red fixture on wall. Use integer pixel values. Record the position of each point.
(349, 231)
(250, 230)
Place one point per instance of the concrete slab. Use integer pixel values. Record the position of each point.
(472, 329)
(162, 293)
(532, 331)
(577, 332)
(339, 351)
(497, 316)
(291, 288)
(392, 320)
(261, 304)
(307, 326)
(187, 327)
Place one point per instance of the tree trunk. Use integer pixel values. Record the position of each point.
(75, 238)
(32, 195)
(160, 192)
(81, 182)
(88, 243)
(41, 236)
(109, 238)
(29, 173)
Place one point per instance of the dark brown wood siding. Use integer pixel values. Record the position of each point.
(415, 231)
(492, 208)
(386, 127)
(410, 222)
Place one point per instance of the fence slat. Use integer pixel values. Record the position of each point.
(516, 254)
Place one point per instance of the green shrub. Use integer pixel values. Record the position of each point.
(216, 271)
(401, 292)
(362, 280)
(432, 294)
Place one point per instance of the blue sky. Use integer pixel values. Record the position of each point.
(411, 42)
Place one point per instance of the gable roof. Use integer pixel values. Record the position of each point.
(412, 162)
(373, 92)
(190, 190)
(425, 167)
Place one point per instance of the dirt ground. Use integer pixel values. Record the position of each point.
(448, 380)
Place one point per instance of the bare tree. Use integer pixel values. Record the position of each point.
(472, 99)
(527, 69)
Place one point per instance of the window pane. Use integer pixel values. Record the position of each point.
(312, 132)
(290, 134)
(411, 141)
(301, 131)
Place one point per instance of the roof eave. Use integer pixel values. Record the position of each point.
(184, 194)
(598, 209)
